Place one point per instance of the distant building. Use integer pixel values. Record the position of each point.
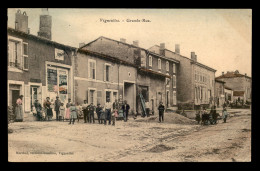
(156, 77)
(228, 94)
(195, 85)
(239, 83)
(219, 93)
(37, 66)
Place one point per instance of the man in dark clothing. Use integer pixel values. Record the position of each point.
(91, 110)
(214, 115)
(85, 110)
(125, 109)
(161, 111)
(98, 111)
(57, 105)
(38, 108)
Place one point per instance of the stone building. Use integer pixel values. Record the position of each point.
(98, 77)
(195, 85)
(37, 66)
(239, 83)
(155, 76)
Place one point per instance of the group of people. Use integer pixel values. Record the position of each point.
(205, 118)
(72, 112)
(106, 113)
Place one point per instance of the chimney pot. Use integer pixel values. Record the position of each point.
(162, 46)
(136, 43)
(21, 21)
(177, 48)
(122, 40)
(192, 54)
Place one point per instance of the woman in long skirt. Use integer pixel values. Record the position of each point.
(73, 113)
(67, 116)
(19, 109)
(47, 105)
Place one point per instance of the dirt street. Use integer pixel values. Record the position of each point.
(132, 141)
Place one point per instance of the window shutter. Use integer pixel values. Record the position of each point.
(27, 98)
(104, 66)
(110, 73)
(25, 56)
(43, 96)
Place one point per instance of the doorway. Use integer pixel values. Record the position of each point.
(15, 95)
(129, 94)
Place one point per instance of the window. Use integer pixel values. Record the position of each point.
(145, 92)
(174, 81)
(107, 72)
(15, 53)
(167, 82)
(25, 56)
(108, 94)
(167, 66)
(150, 61)
(92, 69)
(174, 98)
(174, 68)
(99, 96)
(91, 96)
(159, 64)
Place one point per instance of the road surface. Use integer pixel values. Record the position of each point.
(132, 141)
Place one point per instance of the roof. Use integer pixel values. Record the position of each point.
(238, 93)
(197, 63)
(133, 46)
(12, 30)
(104, 56)
(220, 81)
(154, 72)
(232, 75)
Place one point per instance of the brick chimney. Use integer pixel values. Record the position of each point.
(222, 73)
(177, 48)
(245, 74)
(136, 43)
(81, 44)
(21, 21)
(45, 24)
(162, 49)
(122, 40)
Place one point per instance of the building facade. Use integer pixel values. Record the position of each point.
(239, 83)
(37, 66)
(156, 75)
(195, 85)
(99, 77)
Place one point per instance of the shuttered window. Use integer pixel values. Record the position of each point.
(25, 56)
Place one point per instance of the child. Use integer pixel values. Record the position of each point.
(73, 113)
(34, 110)
(114, 116)
(62, 112)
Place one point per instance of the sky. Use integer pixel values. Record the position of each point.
(221, 38)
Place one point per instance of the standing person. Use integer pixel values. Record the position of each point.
(198, 118)
(73, 113)
(79, 111)
(125, 109)
(62, 112)
(67, 116)
(98, 111)
(19, 109)
(85, 110)
(161, 112)
(108, 107)
(224, 114)
(115, 112)
(38, 108)
(91, 113)
(47, 106)
(57, 104)
(214, 115)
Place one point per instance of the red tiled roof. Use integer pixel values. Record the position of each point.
(238, 93)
